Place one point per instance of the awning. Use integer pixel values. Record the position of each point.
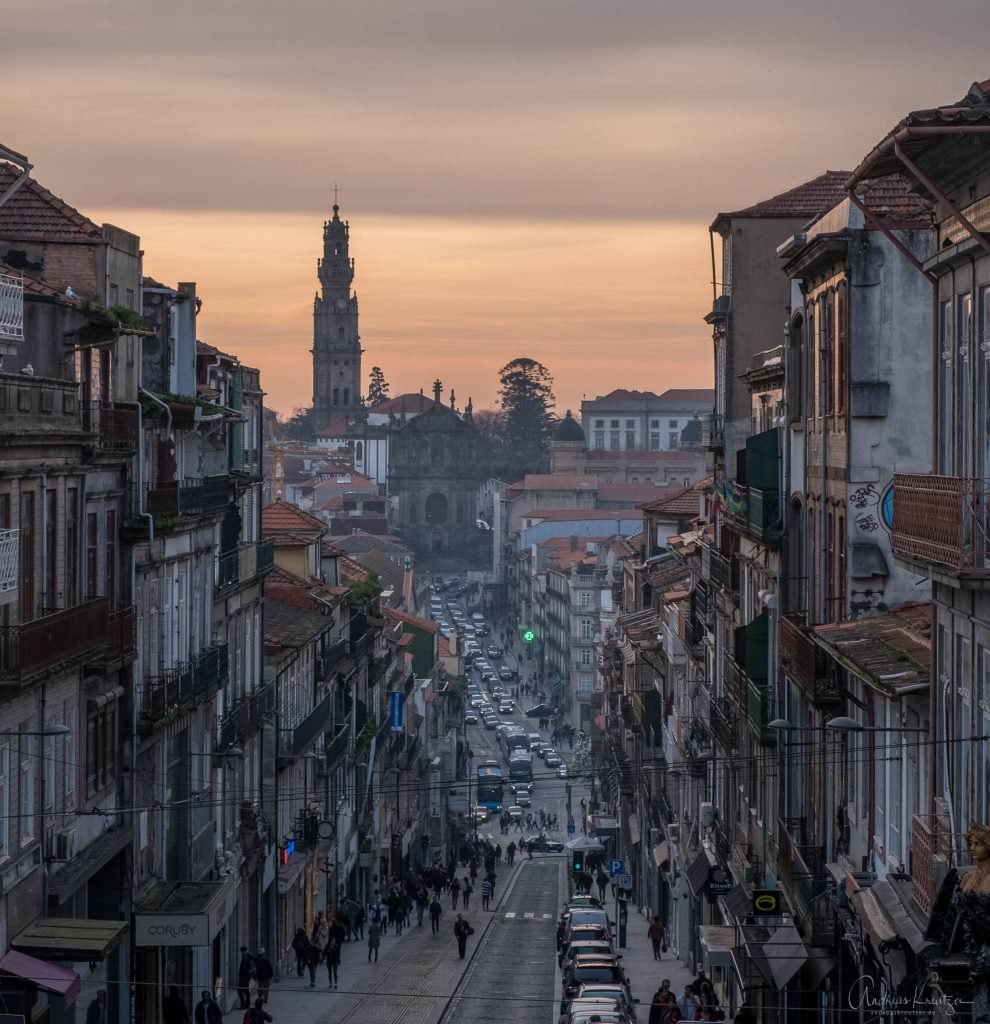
(661, 854)
(718, 942)
(697, 873)
(50, 977)
(786, 955)
(70, 938)
(821, 962)
(288, 874)
(634, 828)
(184, 913)
(738, 903)
(885, 917)
(67, 881)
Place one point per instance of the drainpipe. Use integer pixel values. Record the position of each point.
(168, 414)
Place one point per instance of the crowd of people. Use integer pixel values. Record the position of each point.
(697, 1002)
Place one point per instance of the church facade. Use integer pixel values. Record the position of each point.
(336, 342)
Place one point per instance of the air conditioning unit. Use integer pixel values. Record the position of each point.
(64, 844)
(706, 814)
(674, 832)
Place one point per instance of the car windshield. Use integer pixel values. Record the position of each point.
(594, 974)
(590, 992)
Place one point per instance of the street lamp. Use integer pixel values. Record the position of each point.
(55, 729)
(844, 724)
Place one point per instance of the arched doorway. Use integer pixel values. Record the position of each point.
(436, 509)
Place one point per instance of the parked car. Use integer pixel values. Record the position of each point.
(470, 718)
(544, 844)
(586, 946)
(553, 760)
(493, 651)
(505, 707)
(562, 772)
(506, 674)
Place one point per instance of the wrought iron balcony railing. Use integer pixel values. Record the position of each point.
(243, 564)
(9, 552)
(190, 497)
(930, 853)
(61, 636)
(116, 426)
(942, 521)
(11, 308)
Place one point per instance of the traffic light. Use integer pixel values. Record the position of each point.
(578, 861)
(529, 636)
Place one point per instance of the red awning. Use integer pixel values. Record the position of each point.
(42, 974)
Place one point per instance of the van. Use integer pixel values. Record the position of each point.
(477, 618)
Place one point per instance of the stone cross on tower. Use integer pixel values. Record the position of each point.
(437, 390)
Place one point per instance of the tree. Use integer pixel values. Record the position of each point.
(526, 401)
(377, 387)
(301, 425)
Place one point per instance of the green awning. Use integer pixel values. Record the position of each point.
(70, 938)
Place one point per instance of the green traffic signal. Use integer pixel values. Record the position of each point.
(529, 636)
(578, 861)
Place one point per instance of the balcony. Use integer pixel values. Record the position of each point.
(807, 664)
(941, 522)
(242, 565)
(185, 684)
(116, 426)
(758, 710)
(716, 568)
(234, 727)
(312, 725)
(763, 514)
(190, 497)
(122, 633)
(808, 885)
(58, 638)
(11, 308)
(712, 432)
(722, 720)
(9, 549)
(930, 848)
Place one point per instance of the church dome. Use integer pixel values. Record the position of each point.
(568, 431)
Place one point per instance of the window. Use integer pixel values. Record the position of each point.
(68, 763)
(49, 766)
(347, 396)
(51, 598)
(964, 406)
(92, 550)
(26, 556)
(4, 801)
(812, 364)
(71, 547)
(336, 396)
(101, 744)
(130, 298)
(654, 441)
(630, 438)
(963, 745)
(840, 547)
(585, 629)
(614, 424)
(599, 438)
(946, 438)
(586, 655)
(584, 598)
(340, 332)
(26, 797)
(110, 582)
(672, 424)
(727, 264)
(841, 379)
(599, 423)
(828, 355)
(981, 752)
(114, 295)
(613, 441)
(672, 440)
(412, 510)
(630, 424)
(359, 451)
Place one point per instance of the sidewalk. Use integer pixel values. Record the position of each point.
(645, 973)
(414, 977)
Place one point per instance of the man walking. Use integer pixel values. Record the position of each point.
(511, 853)
(602, 880)
(466, 893)
(174, 1009)
(656, 933)
(374, 939)
(688, 1004)
(461, 932)
(265, 972)
(332, 957)
(436, 912)
(313, 957)
(486, 894)
(207, 1010)
(245, 972)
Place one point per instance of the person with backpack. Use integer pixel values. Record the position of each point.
(436, 912)
(245, 972)
(300, 946)
(461, 932)
(332, 957)
(264, 973)
(257, 1014)
(374, 939)
(314, 955)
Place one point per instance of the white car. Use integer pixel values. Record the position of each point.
(470, 719)
(515, 812)
(562, 772)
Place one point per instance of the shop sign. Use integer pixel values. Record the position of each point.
(720, 881)
(171, 929)
(766, 903)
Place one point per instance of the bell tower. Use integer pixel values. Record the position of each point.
(336, 342)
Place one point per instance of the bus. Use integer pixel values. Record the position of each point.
(513, 739)
(521, 768)
(491, 784)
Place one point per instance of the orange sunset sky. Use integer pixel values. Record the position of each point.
(533, 177)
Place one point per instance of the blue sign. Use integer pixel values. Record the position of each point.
(616, 867)
(396, 701)
(570, 827)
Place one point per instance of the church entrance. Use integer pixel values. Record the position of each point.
(437, 542)
(436, 509)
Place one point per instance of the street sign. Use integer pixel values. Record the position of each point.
(623, 881)
(570, 827)
(766, 902)
(396, 700)
(616, 867)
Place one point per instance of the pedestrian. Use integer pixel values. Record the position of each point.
(422, 902)
(359, 921)
(300, 946)
(207, 1010)
(461, 932)
(337, 931)
(688, 1004)
(332, 957)
(264, 972)
(455, 891)
(436, 912)
(602, 881)
(511, 853)
(257, 1014)
(321, 930)
(174, 1010)
(661, 1005)
(466, 893)
(245, 972)
(96, 1012)
(657, 935)
(313, 957)
(486, 894)
(498, 853)
(374, 939)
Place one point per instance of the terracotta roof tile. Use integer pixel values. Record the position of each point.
(337, 427)
(407, 403)
(35, 214)
(683, 503)
(565, 515)
(630, 492)
(809, 199)
(703, 396)
(554, 482)
(282, 517)
(353, 571)
(892, 199)
(427, 625)
(32, 286)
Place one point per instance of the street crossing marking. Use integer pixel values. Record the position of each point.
(529, 914)
(546, 917)
(511, 913)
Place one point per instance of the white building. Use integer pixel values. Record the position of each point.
(629, 420)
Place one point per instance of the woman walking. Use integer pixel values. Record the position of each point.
(374, 939)
(332, 957)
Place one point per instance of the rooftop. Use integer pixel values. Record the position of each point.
(683, 503)
(890, 651)
(287, 625)
(554, 482)
(805, 201)
(35, 214)
(672, 397)
(567, 515)
(407, 403)
(426, 625)
(282, 517)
